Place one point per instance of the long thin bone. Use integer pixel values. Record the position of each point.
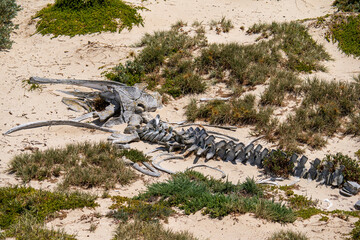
(144, 171)
(231, 128)
(203, 165)
(168, 158)
(221, 134)
(95, 84)
(57, 122)
(84, 117)
(157, 165)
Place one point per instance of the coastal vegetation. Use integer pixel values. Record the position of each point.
(79, 17)
(8, 10)
(84, 165)
(23, 211)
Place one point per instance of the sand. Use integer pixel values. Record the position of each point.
(86, 57)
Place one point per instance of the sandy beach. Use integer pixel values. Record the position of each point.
(86, 57)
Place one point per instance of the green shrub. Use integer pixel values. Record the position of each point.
(303, 53)
(352, 166)
(283, 82)
(134, 155)
(79, 17)
(28, 227)
(17, 201)
(130, 74)
(148, 231)
(77, 4)
(346, 31)
(8, 10)
(84, 164)
(355, 233)
(222, 25)
(288, 235)
(300, 202)
(347, 5)
(278, 163)
(125, 208)
(192, 192)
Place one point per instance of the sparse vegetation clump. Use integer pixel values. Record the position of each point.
(288, 235)
(278, 163)
(345, 29)
(192, 192)
(28, 227)
(303, 53)
(79, 17)
(24, 209)
(236, 112)
(8, 10)
(84, 165)
(165, 63)
(347, 5)
(149, 231)
(223, 25)
(351, 170)
(127, 208)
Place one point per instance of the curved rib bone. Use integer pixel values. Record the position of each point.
(95, 84)
(55, 123)
(203, 165)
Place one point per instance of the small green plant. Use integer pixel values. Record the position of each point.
(347, 5)
(28, 227)
(355, 233)
(288, 235)
(18, 201)
(352, 167)
(278, 163)
(79, 17)
(222, 25)
(148, 231)
(135, 155)
(282, 83)
(300, 202)
(324, 218)
(346, 31)
(192, 192)
(84, 164)
(165, 63)
(306, 213)
(8, 10)
(125, 208)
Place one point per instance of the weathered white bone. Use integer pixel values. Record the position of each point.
(223, 175)
(55, 123)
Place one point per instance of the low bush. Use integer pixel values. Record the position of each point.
(288, 235)
(125, 208)
(148, 231)
(282, 83)
(84, 165)
(352, 167)
(278, 163)
(347, 5)
(192, 192)
(28, 227)
(8, 10)
(345, 29)
(240, 111)
(16, 202)
(222, 25)
(299, 202)
(165, 63)
(79, 17)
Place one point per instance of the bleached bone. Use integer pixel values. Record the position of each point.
(214, 168)
(57, 123)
